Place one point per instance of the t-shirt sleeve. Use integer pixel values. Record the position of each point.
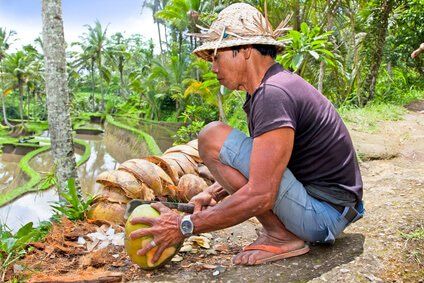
(273, 108)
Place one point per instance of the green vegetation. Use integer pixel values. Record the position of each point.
(417, 234)
(13, 246)
(357, 54)
(73, 206)
(366, 119)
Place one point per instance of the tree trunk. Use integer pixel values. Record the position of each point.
(21, 99)
(296, 15)
(6, 122)
(376, 45)
(329, 18)
(160, 38)
(58, 113)
(222, 117)
(93, 85)
(28, 102)
(321, 76)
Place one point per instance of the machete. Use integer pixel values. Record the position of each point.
(183, 207)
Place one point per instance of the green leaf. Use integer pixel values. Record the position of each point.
(314, 54)
(297, 61)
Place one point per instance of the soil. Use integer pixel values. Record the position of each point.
(374, 249)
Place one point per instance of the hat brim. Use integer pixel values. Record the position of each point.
(204, 51)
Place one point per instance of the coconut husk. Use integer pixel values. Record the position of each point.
(175, 166)
(148, 193)
(107, 211)
(189, 186)
(169, 169)
(113, 194)
(194, 144)
(186, 149)
(187, 163)
(123, 180)
(145, 172)
(205, 173)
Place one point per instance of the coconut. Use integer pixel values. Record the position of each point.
(133, 245)
(108, 211)
(189, 186)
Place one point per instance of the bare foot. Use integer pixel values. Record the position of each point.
(268, 248)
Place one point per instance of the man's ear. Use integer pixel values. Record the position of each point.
(247, 51)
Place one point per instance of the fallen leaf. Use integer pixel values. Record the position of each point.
(186, 248)
(201, 241)
(209, 266)
(177, 258)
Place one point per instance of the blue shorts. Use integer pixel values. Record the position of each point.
(310, 219)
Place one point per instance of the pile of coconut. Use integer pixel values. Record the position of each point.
(177, 175)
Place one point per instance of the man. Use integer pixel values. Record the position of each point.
(297, 173)
(418, 51)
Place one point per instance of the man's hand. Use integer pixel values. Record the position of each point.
(202, 201)
(164, 229)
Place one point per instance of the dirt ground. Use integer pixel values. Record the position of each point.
(374, 249)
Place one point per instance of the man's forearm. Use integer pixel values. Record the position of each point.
(233, 210)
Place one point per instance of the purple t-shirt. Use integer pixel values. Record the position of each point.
(323, 157)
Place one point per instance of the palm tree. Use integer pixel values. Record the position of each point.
(59, 119)
(118, 55)
(375, 43)
(93, 45)
(155, 6)
(5, 37)
(17, 70)
(182, 15)
(170, 76)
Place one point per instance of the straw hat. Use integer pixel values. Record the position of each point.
(239, 24)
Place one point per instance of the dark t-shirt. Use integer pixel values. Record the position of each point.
(323, 157)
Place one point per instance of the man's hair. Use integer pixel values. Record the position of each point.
(265, 50)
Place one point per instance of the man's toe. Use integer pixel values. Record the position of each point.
(252, 259)
(245, 258)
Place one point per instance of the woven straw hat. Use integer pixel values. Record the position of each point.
(239, 24)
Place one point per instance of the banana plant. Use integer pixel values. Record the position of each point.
(306, 45)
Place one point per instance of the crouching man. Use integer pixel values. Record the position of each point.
(297, 173)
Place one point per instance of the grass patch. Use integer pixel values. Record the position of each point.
(366, 119)
(417, 234)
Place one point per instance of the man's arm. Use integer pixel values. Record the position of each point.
(418, 51)
(270, 155)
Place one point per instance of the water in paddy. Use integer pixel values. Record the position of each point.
(11, 175)
(36, 206)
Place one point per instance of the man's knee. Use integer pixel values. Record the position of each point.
(211, 138)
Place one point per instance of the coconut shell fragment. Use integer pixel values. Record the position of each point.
(123, 180)
(194, 144)
(107, 211)
(187, 163)
(169, 169)
(111, 194)
(145, 172)
(189, 186)
(186, 149)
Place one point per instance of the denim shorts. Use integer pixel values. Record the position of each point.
(310, 219)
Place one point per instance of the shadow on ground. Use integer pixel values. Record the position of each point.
(319, 260)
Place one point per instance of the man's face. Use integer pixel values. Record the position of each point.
(229, 67)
